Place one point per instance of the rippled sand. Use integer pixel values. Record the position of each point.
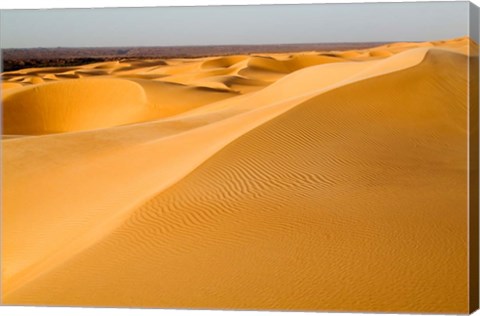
(306, 181)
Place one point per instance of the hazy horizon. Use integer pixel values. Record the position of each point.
(233, 25)
(206, 45)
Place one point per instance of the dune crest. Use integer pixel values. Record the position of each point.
(165, 154)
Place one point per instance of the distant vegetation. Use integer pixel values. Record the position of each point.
(12, 64)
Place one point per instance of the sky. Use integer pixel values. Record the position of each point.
(227, 25)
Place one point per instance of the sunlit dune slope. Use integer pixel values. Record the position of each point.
(178, 145)
(338, 185)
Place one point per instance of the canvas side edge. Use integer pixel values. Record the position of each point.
(473, 145)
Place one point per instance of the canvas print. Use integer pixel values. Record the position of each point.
(262, 157)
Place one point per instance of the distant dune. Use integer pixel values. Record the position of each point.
(331, 180)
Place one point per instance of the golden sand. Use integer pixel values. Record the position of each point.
(306, 181)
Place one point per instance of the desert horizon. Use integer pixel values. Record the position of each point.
(20, 58)
(320, 178)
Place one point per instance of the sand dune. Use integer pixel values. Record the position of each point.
(69, 105)
(312, 181)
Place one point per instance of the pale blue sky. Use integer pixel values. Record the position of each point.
(223, 25)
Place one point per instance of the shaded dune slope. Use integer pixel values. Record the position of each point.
(352, 199)
(70, 105)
